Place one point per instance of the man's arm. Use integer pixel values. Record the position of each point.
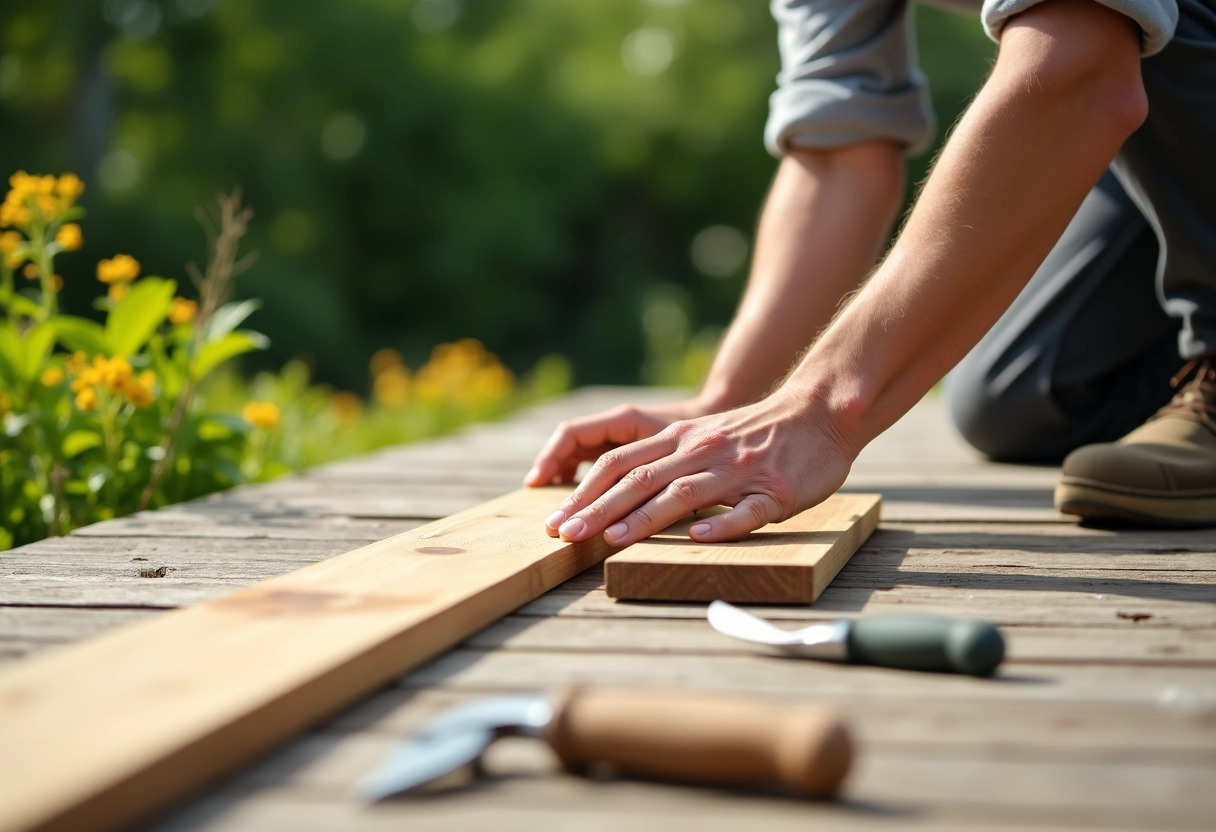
(824, 223)
(1063, 96)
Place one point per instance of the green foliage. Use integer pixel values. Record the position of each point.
(144, 410)
(522, 171)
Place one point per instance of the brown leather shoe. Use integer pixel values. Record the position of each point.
(1163, 473)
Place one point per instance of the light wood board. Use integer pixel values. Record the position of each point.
(783, 563)
(99, 735)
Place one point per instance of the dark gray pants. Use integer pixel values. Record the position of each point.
(1128, 294)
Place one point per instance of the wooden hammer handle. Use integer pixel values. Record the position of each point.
(700, 738)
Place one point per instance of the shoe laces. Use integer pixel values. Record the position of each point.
(1196, 399)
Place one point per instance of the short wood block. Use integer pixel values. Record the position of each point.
(783, 563)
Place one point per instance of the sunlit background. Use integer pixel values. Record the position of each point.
(579, 177)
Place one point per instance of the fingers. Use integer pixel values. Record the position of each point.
(620, 481)
(673, 503)
(752, 512)
(585, 439)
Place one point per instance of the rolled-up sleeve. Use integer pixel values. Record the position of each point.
(1157, 19)
(848, 74)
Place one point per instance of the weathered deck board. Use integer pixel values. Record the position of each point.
(1103, 718)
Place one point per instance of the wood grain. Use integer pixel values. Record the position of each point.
(783, 563)
(173, 702)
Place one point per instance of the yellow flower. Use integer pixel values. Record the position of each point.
(14, 260)
(86, 400)
(56, 283)
(122, 268)
(261, 415)
(115, 373)
(118, 291)
(9, 241)
(489, 383)
(347, 408)
(48, 206)
(458, 357)
(70, 186)
(182, 311)
(69, 237)
(385, 359)
(30, 271)
(77, 362)
(392, 387)
(22, 181)
(51, 377)
(429, 385)
(139, 394)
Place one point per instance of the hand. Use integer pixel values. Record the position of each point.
(768, 461)
(585, 438)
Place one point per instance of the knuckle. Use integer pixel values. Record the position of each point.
(643, 519)
(746, 457)
(641, 479)
(756, 511)
(707, 442)
(595, 514)
(685, 491)
(610, 460)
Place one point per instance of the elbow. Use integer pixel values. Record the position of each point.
(1079, 55)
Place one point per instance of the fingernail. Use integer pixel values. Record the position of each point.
(532, 475)
(699, 529)
(574, 527)
(616, 530)
(556, 519)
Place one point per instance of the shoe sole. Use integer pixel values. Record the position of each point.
(1091, 502)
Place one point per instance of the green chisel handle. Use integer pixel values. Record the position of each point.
(922, 643)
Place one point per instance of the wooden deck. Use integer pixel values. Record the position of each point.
(1104, 716)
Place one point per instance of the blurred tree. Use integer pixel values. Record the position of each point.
(540, 174)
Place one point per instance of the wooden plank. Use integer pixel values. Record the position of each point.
(783, 563)
(892, 784)
(1009, 606)
(1188, 688)
(188, 520)
(1108, 645)
(198, 693)
(543, 805)
(956, 726)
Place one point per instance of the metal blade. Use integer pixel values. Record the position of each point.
(454, 739)
(819, 641)
(418, 762)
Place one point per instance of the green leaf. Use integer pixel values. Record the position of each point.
(229, 316)
(229, 346)
(131, 323)
(38, 340)
(79, 441)
(22, 354)
(81, 334)
(22, 306)
(11, 353)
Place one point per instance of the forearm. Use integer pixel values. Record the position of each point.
(1063, 96)
(822, 230)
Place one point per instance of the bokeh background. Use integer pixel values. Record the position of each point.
(571, 176)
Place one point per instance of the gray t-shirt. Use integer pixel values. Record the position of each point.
(849, 73)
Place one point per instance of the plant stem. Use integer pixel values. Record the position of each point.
(224, 233)
(45, 262)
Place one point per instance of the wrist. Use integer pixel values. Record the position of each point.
(833, 394)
